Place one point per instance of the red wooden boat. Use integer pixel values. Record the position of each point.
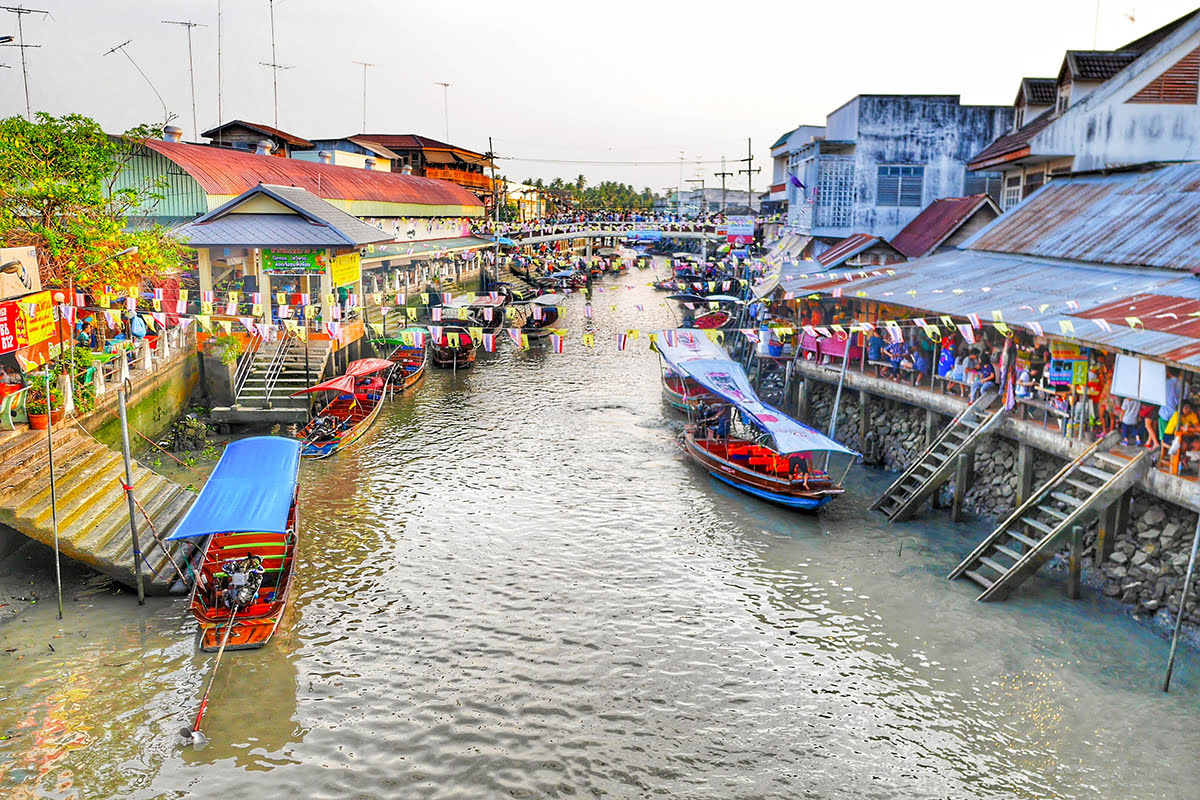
(406, 349)
(247, 511)
(452, 347)
(684, 393)
(351, 412)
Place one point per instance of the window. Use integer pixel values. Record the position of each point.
(982, 183)
(1033, 182)
(1018, 117)
(1064, 98)
(899, 186)
(835, 191)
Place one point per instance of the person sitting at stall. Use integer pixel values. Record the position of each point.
(875, 346)
(1025, 384)
(916, 362)
(985, 379)
(800, 467)
(86, 337)
(896, 351)
(1037, 362)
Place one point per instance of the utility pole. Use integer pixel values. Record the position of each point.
(21, 11)
(220, 86)
(750, 173)
(364, 64)
(679, 192)
(274, 64)
(191, 71)
(446, 107)
(167, 115)
(723, 175)
(483, 282)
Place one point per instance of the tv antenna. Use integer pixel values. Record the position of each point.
(274, 64)
(167, 115)
(191, 71)
(21, 11)
(365, 65)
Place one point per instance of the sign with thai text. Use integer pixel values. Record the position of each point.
(740, 230)
(346, 269)
(12, 327)
(293, 261)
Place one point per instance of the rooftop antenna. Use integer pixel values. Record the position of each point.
(167, 115)
(365, 65)
(21, 11)
(219, 84)
(191, 71)
(274, 64)
(1096, 27)
(445, 104)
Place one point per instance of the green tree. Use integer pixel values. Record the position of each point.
(57, 178)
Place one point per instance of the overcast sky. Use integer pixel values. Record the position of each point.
(616, 80)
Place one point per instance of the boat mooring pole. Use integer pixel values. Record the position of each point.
(1187, 585)
(837, 398)
(53, 494)
(137, 551)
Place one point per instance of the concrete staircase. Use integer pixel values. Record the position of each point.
(273, 377)
(93, 515)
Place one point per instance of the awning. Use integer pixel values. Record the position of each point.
(367, 366)
(1138, 310)
(342, 383)
(405, 251)
(438, 157)
(251, 489)
(693, 355)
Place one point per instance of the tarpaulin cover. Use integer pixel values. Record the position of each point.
(342, 383)
(366, 366)
(250, 490)
(695, 356)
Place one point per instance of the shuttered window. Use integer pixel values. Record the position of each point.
(982, 183)
(899, 186)
(1178, 85)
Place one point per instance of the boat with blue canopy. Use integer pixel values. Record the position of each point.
(247, 515)
(741, 440)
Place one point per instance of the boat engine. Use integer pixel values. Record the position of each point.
(245, 577)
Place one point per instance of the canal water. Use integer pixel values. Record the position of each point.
(516, 586)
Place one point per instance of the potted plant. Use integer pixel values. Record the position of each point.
(40, 409)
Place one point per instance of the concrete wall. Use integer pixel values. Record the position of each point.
(157, 401)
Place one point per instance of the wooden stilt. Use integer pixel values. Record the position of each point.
(962, 482)
(1075, 563)
(1024, 472)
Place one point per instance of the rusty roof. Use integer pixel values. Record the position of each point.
(225, 172)
(1149, 219)
(413, 141)
(257, 127)
(849, 247)
(1039, 91)
(937, 222)
(1012, 145)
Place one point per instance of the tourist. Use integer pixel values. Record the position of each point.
(875, 346)
(1037, 362)
(86, 337)
(985, 378)
(895, 353)
(1174, 394)
(1149, 417)
(1131, 432)
(918, 362)
(1025, 384)
(961, 357)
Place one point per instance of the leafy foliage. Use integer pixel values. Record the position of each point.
(607, 195)
(57, 178)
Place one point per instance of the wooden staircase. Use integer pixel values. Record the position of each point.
(1034, 532)
(93, 514)
(935, 466)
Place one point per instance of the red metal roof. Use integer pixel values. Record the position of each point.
(266, 130)
(937, 222)
(851, 246)
(1012, 145)
(412, 141)
(225, 172)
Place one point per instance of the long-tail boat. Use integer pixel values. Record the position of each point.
(742, 441)
(451, 347)
(406, 349)
(358, 397)
(683, 393)
(544, 312)
(247, 510)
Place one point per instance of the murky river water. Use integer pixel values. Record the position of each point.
(516, 586)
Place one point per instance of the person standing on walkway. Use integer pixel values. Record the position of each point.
(1174, 395)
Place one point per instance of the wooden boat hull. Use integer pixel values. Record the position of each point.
(449, 357)
(684, 394)
(254, 625)
(712, 320)
(410, 367)
(342, 407)
(720, 458)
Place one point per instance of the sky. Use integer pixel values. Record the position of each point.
(585, 83)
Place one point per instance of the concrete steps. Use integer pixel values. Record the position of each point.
(253, 405)
(90, 504)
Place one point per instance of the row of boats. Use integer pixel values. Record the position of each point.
(738, 438)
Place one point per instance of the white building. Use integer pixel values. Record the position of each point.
(1105, 110)
(782, 191)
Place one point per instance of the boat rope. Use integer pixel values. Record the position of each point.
(154, 533)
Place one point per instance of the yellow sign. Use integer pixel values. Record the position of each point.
(39, 325)
(345, 270)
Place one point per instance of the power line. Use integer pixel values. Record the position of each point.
(600, 163)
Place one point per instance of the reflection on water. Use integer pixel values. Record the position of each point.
(516, 585)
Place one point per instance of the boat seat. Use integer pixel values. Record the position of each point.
(758, 461)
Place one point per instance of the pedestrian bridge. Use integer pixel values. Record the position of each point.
(535, 233)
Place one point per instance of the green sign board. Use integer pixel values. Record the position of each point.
(293, 261)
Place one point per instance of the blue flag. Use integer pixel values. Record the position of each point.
(796, 182)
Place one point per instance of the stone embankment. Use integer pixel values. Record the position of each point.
(1149, 558)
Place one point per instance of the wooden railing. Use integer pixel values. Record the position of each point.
(474, 180)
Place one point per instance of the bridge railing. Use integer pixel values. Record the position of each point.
(534, 230)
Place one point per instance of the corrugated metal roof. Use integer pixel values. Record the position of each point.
(1013, 142)
(412, 141)
(266, 130)
(314, 223)
(1026, 289)
(937, 222)
(221, 171)
(849, 247)
(1144, 218)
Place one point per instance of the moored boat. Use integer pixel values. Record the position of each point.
(248, 512)
(452, 347)
(406, 349)
(351, 412)
(682, 393)
(544, 311)
(743, 442)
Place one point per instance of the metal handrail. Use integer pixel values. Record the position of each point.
(245, 363)
(275, 367)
